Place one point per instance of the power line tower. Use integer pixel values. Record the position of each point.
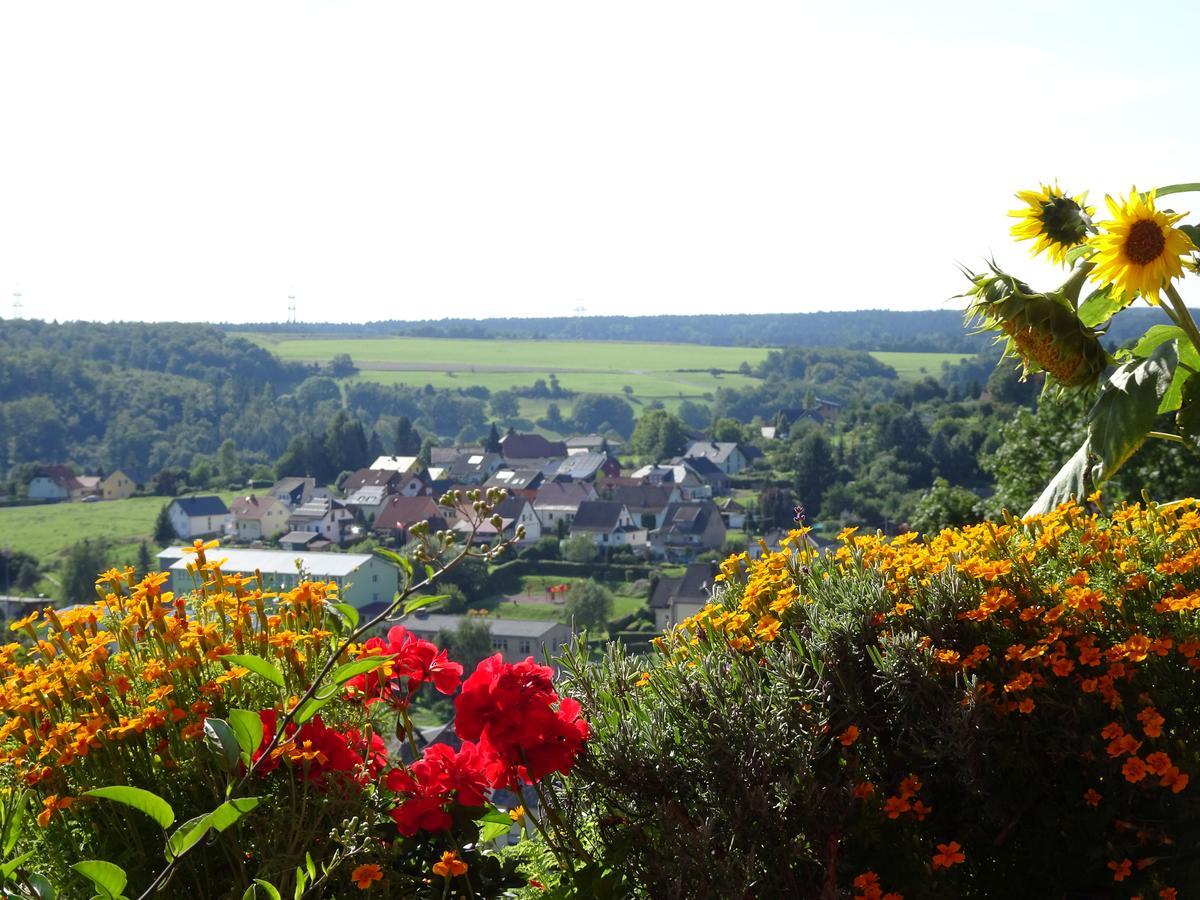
(17, 305)
(291, 309)
(579, 311)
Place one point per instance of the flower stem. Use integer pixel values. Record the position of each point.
(1183, 316)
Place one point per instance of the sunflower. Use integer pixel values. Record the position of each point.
(1140, 250)
(1053, 221)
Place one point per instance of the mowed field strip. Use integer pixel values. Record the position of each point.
(654, 371)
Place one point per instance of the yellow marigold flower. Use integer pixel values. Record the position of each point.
(1139, 251)
(366, 875)
(449, 866)
(1053, 221)
(517, 813)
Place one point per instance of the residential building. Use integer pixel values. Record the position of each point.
(513, 512)
(388, 479)
(475, 468)
(368, 501)
(53, 483)
(531, 446)
(689, 528)
(89, 486)
(559, 502)
(445, 457)
(691, 485)
(608, 524)
(120, 484)
(733, 513)
(361, 579)
(725, 455)
(397, 463)
(304, 541)
(592, 443)
(199, 517)
(327, 517)
(646, 502)
(676, 599)
(294, 491)
(399, 514)
(713, 477)
(514, 639)
(259, 518)
(585, 467)
(523, 482)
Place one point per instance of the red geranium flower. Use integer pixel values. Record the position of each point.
(414, 662)
(315, 748)
(441, 777)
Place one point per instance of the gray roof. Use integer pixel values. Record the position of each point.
(598, 515)
(435, 622)
(202, 506)
(283, 562)
(715, 451)
(579, 467)
(694, 586)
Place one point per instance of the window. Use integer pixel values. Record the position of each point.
(375, 579)
(525, 646)
(500, 644)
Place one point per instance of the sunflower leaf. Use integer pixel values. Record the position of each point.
(1069, 483)
(1099, 306)
(1188, 417)
(1125, 410)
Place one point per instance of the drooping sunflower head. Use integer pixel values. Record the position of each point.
(1053, 221)
(1043, 330)
(1139, 251)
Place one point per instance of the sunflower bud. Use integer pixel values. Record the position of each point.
(1042, 329)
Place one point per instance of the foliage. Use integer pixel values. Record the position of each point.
(658, 435)
(589, 605)
(945, 506)
(77, 577)
(595, 413)
(1001, 710)
(579, 549)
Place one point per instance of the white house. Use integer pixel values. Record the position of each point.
(53, 483)
(327, 517)
(197, 517)
(608, 524)
(725, 455)
(397, 463)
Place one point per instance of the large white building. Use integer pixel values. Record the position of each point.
(362, 579)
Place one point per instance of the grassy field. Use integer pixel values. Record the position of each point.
(47, 531)
(915, 366)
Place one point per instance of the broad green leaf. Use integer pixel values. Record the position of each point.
(1188, 417)
(1177, 189)
(313, 705)
(492, 830)
(12, 865)
(420, 602)
(494, 815)
(257, 665)
(1190, 357)
(1079, 252)
(1100, 305)
(344, 673)
(248, 729)
(220, 739)
(310, 866)
(230, 811)
(187, 836)
(108, 878)
(41, 886)
(1155, 336)
(1071, 481)
(14, 816)
(348, 612)
(1125, 410)
(261, 889)
(143, 801)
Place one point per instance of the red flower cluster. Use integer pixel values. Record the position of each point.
(510, 711)
(414, 662)
(433, 782)
(320, 751)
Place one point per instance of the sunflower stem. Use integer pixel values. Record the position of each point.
(1166, 436)
(1186, 188)
(1183, 316)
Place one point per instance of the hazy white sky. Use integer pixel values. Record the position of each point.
(421, 160)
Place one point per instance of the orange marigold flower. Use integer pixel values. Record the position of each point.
(1174, 779)
(920, 810)
(948, 855)
(1158, 763)
(1168, 893)
(896, 806)
(1020, 683)
(366, 875)
(1134, 770)
(1152, 722)
(449, 866)
(1091, 797)
(1121, 870)
(1026, 706)
(1061, 666)
(1111, 730)
(864, 790)
(849, 736)
(910, 786)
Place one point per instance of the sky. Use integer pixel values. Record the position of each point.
(401, 160)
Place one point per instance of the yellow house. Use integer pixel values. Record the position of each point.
(117, 486)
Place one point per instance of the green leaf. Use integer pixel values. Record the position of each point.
(348, 612)
(187, 836)
(344, 673)
(143, 801)
(492, 830)
(257, 665)
(41, 887)
(220, 739)
(494, 815)
(1100, 305)
(1155, 336)
(420, 602)
(12, 865)
(1071, 481)
(230, 811)
(1177, 189)
(1079, 252)
(313, 705)
(14, 815)
(1189, 357)
(248, 729)
(310, 866)
(1124, 413)
(268, 890)
(108, 878)
(1188, 417)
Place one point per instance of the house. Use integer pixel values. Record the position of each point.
(258, 518)
(592, 443)
(517, 481)
(531, 446)
(733, 513)
(361, 579)
(645, 502)
(559, 501)
(89, 486)
(585, 467)
(725, 455)
(682, 475)
(120, 484)
(53, 483)
(405, 464)
(399, 514)
(445, 457)
(709, 473)
(197, 517)
(514, 639)
(608, 524)
(368, 501)
(475, 468)
(513, 512)
(327, 517)
(389, 479)
(676, 599)
(293, 492)
(308, 541)
(689, 528)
